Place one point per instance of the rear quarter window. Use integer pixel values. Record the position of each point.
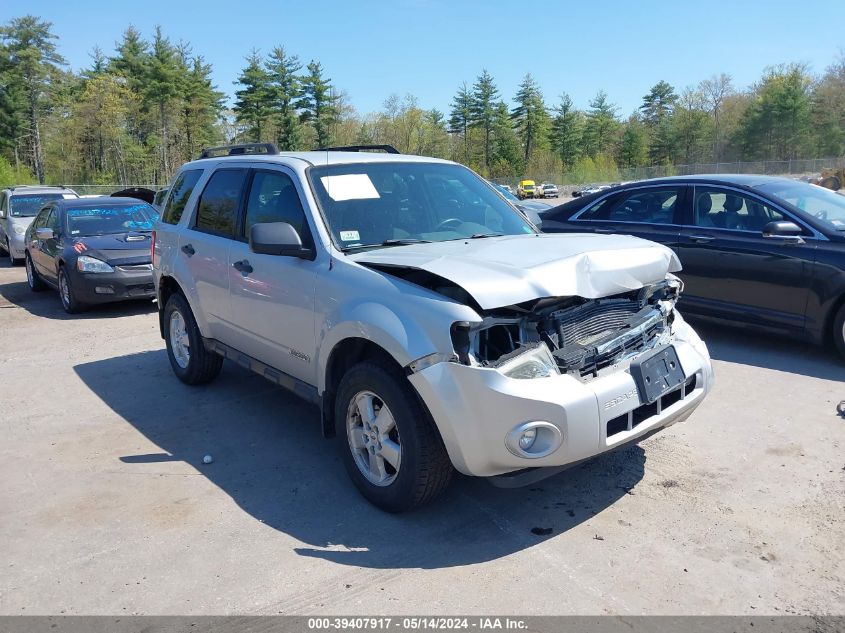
(181, 190)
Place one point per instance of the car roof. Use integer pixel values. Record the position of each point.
(317, 158)
(744, 180)
(35, 189)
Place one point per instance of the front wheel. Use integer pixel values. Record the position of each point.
(388, 441)
(839, 330)
(69, 301)
(192, 363)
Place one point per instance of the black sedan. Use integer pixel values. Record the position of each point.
(757, 251)
(93, 250)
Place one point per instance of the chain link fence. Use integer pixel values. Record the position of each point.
(796, 168)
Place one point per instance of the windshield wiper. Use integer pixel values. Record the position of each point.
(402, 241)
(477, 236)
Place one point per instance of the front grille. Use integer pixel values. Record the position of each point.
(134, 268)
(632, 419)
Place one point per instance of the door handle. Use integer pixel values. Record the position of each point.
(242, 267)
(702, 239)
(188, 249)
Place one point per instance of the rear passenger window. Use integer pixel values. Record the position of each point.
(180, 192)
(217, 211)
(273, 198)
(650, 206)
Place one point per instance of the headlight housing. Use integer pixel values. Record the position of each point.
(19, 230)
(86, 264)
(533, 362)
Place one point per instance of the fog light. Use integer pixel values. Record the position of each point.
(526, 440)
(104, 290)
(534, 439)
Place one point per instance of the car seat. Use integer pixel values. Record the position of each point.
(703, 205)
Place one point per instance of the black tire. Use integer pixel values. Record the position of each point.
(839, 330)
(69, 301)
(201, 366)
(33, 280)
(425, 469)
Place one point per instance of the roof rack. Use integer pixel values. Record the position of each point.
(360, 148)
(238, 150)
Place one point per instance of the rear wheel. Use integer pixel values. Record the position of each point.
(388, 442)
(192, 363)
(69, 301)
(839, 330)
(32, 279)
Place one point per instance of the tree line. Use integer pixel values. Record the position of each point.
(135, 115)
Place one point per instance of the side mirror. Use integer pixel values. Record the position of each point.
(44, 234)
(787, 231)
(277, 238)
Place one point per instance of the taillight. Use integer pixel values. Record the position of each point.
(153, 248)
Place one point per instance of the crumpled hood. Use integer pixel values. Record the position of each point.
(506, 270)
(118, 249)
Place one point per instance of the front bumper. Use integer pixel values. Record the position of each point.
(130, 282)
(17, 246)
(476, 408)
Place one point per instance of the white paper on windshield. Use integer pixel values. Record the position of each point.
(349, 187)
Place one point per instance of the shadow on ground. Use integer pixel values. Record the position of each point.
(770, 352)
(270, 459)
(47, 304)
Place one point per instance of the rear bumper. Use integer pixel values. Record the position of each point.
(117, 286)
(476, 409)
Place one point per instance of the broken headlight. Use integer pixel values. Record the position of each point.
(533, 362)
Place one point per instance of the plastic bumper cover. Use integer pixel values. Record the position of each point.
(476, 408)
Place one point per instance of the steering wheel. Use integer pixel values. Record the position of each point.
(449, 223)
(822, 214)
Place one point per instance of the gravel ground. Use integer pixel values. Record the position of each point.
(107, 507)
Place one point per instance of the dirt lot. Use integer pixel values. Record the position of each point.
(108, 509)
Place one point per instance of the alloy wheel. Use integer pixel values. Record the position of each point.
(179, 341)
(64, 289)
(373, 438)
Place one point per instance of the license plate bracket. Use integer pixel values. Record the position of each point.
(657, 373)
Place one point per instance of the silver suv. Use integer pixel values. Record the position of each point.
(18, 208)
(433, 325)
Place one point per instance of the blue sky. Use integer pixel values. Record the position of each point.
(428, 47)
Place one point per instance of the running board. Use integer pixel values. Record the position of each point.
(276, 376)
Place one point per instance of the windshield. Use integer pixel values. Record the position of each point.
(823, 204)
(384, 204)
(107, 219)
(28, 206)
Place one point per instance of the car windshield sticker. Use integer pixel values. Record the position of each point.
(349, 236)
(349, 187)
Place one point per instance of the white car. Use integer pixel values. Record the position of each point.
(550, 190)
(18, 207)
(432, 324)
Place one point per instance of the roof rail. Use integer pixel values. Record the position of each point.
(360, 148)
(237, 150)
(37, 187)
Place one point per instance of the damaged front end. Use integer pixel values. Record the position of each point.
(580, 337)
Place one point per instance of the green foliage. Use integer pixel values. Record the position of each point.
(285, 90)
(318, 103)
(633, 149)
(602, 127)
(483, 110)
(10, 175)
(530, 117)
(567, 136)
(254, 102)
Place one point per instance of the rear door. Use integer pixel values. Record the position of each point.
(272, 296)
(731, 271)
(205, 244)
(652, 213)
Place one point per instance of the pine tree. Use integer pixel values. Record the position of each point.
(567, 131)
(285, 90)
(162, 87)
(460, 117)
(253, 104)
(601, 126)
(32, 61)
(530, 117)
(483, 110)
(658, 104)
(201, 105)
(318, 103)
